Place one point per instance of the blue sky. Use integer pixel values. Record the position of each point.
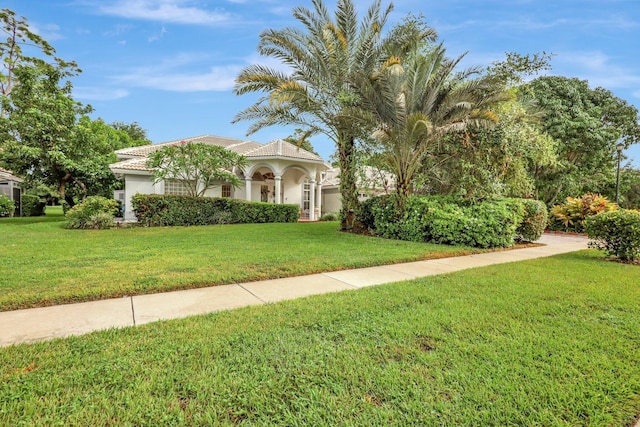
(170, 64)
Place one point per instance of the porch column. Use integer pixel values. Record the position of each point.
(278, 179)
(312, 200)
(247, 190)
(319, 198)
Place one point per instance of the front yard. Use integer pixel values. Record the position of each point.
(45, 264)
(546, 342)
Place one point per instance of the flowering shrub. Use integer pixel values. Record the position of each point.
(570, 216)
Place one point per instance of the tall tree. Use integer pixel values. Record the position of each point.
(134, 130)
(421, 101)
(19, 36)
(49, 139)
(329, 61)
(588, 123)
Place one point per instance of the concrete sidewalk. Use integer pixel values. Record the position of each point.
(39, 324)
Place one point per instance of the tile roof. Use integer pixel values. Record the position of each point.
(135, 164)
(6, 175)
(281, 148)
(135, 158)
(145, 150)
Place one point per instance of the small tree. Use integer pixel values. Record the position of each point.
(198, 166)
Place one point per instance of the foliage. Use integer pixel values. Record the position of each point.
(300, 139)
(7, 207)
(166, 210)
(32, 205)
(18, 35)
(588, 123)
(86, 215)
(515, 68)
(570, 216)
(143, 260)
(50, 141)
(332, 64)
(534, 222)
(445, 220)
(617, 233)
(134, 131)
(38, 127)
(43, 134)
(198, 166)
(330, 216)
(420, 101)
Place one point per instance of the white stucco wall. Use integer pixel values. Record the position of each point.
(331, 200)
(134, 184)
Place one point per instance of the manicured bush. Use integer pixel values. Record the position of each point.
(570, 216)
(169, 210)
(534, 221)
(617, 233)
(448, 220)
(330, 216)
(7, 208)
(32, 205)
(85, 215)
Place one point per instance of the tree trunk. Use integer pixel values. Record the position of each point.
(348, 185)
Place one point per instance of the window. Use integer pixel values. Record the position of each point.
(175, 187)
(226, 190)
(264, 193)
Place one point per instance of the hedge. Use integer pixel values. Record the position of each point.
(168, 210)
(617, 233)
(32, 205)
(447, 220)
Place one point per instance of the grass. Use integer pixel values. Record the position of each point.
(45, 264)
(546, 342)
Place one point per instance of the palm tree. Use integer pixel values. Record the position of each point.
(327, 61)
(420, 102)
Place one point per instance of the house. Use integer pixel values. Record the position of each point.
(277, 172)
(369, 180)
(10, 187)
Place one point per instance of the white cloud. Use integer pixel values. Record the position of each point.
(177, 11)
(98, 93)
(48, 32)
(157, 36)
(596, 67)
(173, 75)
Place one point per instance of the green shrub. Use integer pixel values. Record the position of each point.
(169, 210)
(32, 205)
(570, 216)
(534, 221)
(616, 232)
(330, 216)
(84, 215)
(100, 221)
(448, 220)
(7, 207)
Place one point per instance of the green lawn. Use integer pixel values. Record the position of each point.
(547, 342)
(45, 264)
